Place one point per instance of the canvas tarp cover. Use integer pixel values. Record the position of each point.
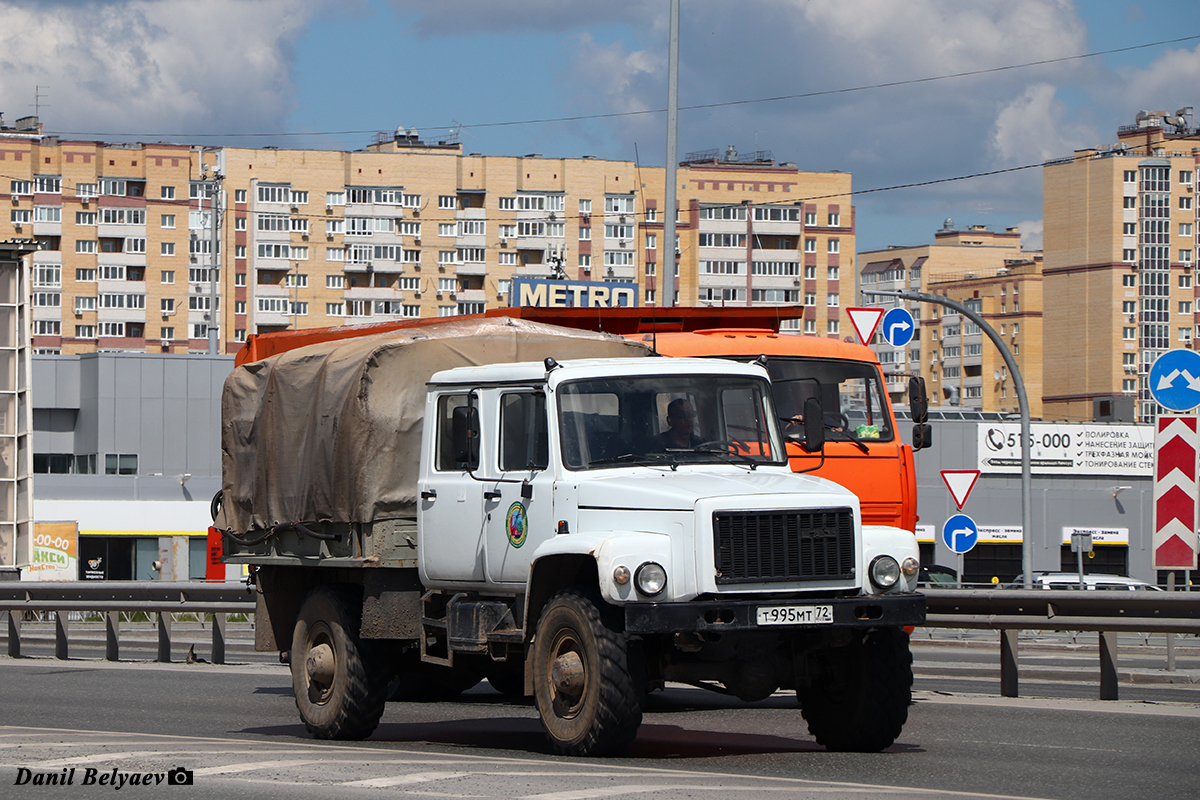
(332, 431)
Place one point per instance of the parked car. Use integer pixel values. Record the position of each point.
(1070, 580)
(936, 576)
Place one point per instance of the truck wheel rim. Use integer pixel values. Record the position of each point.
(567, 675)
(320, 664)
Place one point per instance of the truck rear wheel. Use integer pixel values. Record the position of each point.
(581, 679)
(338, 691)
(859, 702)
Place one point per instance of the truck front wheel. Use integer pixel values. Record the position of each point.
(581, 679)
(338, 692)
(858, 701)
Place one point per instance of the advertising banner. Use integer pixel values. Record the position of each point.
(1065, 448)
(55, 553)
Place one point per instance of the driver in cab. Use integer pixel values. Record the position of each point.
(681, 427)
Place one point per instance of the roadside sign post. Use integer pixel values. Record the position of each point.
(1081, 543)
(1022, 403)
(960, 533)
(1175, 384)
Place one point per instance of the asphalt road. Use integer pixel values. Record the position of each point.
(236, 728)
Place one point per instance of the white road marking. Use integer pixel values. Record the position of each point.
(402, 780)
(229, 769)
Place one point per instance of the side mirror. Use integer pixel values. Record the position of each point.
(464, 435)
(922, 436)
(918, 401)
(814, 426)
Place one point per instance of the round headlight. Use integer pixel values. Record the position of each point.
(884, 572)
(650, 578)
(910, 566)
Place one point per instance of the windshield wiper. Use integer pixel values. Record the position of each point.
(650, 458)
(730, 455)
(847, 436)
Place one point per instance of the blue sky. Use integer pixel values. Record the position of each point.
(202, 72)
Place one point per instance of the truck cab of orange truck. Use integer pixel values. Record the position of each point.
(863, 450)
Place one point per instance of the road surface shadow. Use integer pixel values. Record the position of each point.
(654, 741)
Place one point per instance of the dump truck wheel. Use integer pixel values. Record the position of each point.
(582, 684)
(860, 702)
(338, 691)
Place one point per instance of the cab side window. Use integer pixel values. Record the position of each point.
(524, 443)
(457, 433)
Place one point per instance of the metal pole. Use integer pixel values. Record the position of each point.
(669, 277)
(1023, 403)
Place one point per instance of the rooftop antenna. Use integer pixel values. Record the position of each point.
(37, 100)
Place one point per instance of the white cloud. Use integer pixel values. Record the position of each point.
(1034, 127)
(1167, 84)
(1031, 234)
(151, 66)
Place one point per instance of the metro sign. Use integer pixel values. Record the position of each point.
(1176, 442)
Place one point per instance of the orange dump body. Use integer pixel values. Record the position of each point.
(884, 477)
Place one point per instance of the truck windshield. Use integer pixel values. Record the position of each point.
(670, 420)
(850, 394)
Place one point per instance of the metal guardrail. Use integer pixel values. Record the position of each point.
(1006, 610)
(111, 598)
(1107, 612)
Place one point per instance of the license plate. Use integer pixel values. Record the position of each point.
(795, 615)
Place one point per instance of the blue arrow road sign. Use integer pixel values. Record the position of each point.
(1175, 380)
(960, 533)
(898, 327)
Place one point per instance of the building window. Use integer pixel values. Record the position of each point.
(831, 327)
(1129, 254)
(1129, 229)
(120, 463)
(85, 246)
(1185, 281)
(832, 300)
(1129, 202)
(1185, 256)
(835, 219)
(1185, 203)
(810, 218)
(239, 195)
(1185, 306)
(112, 329)
(834, 246)
(166, 248)
(1185, 334)
(1185, 176)
(448, 202)
(1185, 229)
(1129, 280)
(1129, 334)
(1131, 176)
(810, 246)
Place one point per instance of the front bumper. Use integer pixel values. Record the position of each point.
(870, 611)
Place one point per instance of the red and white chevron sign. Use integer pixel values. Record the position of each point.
(1176, 442)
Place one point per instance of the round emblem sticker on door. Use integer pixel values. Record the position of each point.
(517, 524)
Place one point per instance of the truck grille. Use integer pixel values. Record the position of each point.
(763, 546)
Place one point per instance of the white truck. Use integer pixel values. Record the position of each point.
(571, 525)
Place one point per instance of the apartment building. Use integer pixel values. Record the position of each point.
(1120, 228)
(155, 246)
(16, 466)
(989, 273)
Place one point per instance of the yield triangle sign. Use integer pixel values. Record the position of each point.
(960, 482)
(865, 321)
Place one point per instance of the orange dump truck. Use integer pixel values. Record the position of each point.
(863, 450)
